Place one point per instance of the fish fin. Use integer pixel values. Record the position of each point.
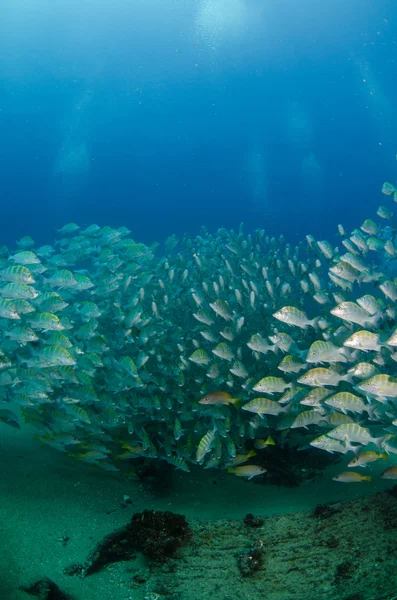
(367, 478)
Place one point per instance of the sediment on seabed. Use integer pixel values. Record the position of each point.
(344, 551)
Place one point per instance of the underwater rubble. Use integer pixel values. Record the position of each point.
(156, 534)
(234, 351)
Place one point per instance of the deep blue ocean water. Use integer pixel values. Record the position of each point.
(167, 115)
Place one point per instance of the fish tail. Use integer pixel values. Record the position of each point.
(230, 470)
(236, 402)
(355, 449)
(378, 441)
(385, 456)
(367, 478)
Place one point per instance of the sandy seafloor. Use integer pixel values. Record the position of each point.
(46, 496)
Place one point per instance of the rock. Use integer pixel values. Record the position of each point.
(45, 589)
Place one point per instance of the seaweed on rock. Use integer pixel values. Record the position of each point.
(156, 534)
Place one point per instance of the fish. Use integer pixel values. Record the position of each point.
(239, 459)
(363, 370)
(223, 351)
(390, 473)
(324, 442)
(308, 417)
(249, 471)
(345, 271)
(293, 316)
(221, 308)
(320, 376)
(351, 477)
(44, 321)
(348, 402)
(289, 364)
(205, 445)
(367, 457)
(206, 348)
(316, 396)
(325, 352)
(272, 385)
(353, 433)
(239, 370)
(24, 257)
(219, 398)
(384, 213)
(370, 304)
(388, 189)
(264, 406)
(17, 274)
(353, 313)
(380, 386)
(364, 340)
(8, 309)
(260, 444)
(200, 357)
(259, 344)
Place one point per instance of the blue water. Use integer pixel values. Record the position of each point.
(164, 116)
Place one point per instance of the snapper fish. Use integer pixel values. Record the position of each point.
(325, 352)
(320, 376)
(351, 432)
(199, 357)
(25, 257)
(293, 316)
(272, 385)
(19, 290)
(258, 344)
(367, 457)
(221, 308)
(353, 313)
(347, 402)
(219, 398)
(8, 309)
(17, 274)
(264, 406)
(248, 471)
(390, 473)
(364, 340)
(205, 445)
(351, 477)
(381, 387)
(324, 442)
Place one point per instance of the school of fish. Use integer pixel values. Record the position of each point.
(205, 353)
